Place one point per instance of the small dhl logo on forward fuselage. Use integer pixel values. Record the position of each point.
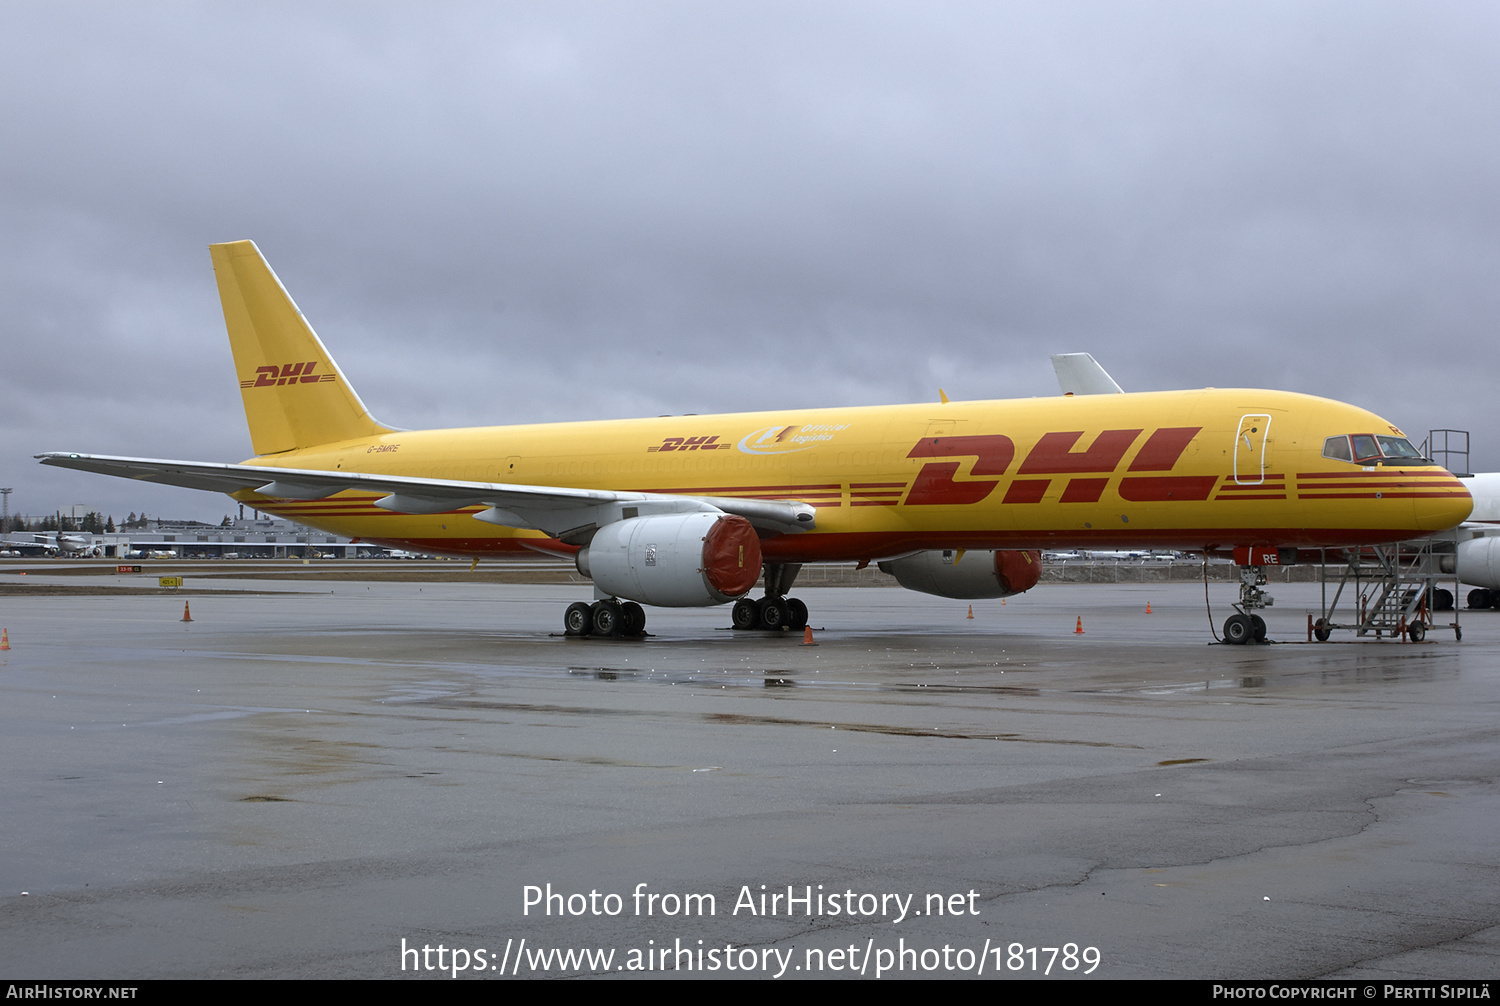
(689, 444)
(288, 373)
(1054, 455)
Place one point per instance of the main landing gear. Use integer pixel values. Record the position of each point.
(775, 611)
(771, 613)
(1245, 626)
(611, 617)
(605, 618)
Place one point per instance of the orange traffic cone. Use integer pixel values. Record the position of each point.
(1148, 607)
(4, 639)
(187, 615)
(807, 639)
(1079, 631)
(971, 611)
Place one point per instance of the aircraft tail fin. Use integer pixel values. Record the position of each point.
(294, 393)
(1080, 374)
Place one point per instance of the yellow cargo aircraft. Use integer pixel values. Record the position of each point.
(695, 510)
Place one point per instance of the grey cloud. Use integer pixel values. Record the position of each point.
(551, 211)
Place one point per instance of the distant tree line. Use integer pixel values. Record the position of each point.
(93, 522)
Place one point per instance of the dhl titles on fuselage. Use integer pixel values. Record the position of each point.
(1216, 469)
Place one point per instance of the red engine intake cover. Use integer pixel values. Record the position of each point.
(1019, 570)
(731, 556)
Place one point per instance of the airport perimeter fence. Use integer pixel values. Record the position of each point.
(1073, 571)
(1166, 572)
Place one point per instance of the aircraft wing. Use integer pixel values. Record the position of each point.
(571, 515)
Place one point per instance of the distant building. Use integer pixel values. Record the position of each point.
(246, 538)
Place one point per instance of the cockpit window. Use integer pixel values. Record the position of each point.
(1365, 448)
(1337, 448)
(1370, 449)
(1397, 447)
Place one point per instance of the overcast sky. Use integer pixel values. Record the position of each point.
(510, 213)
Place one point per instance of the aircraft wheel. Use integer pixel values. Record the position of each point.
(632, 619)
(746, 615)
(1479, 598)
(796, 614)
(1321, 632)
(1258, 628)
(578, 620)
(1416, 631)
(1442, 600)
(607, 618)
(1238, 630)
(772, 612)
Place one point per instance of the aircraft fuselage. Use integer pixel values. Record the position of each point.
(1208, 469)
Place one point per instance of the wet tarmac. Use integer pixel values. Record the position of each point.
(292, 784)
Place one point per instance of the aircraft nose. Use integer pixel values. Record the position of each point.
(1448, 504)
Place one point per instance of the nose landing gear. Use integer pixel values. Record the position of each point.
(1241, 629)
(1246, 627)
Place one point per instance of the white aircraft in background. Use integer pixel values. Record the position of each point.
(55, 543)
(1477, 559)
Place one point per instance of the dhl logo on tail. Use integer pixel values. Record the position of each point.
(288, 373)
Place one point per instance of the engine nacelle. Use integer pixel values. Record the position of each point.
(1479, 562)
(980, 574)
(680, 560)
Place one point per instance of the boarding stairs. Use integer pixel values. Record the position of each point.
(1392, 591)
